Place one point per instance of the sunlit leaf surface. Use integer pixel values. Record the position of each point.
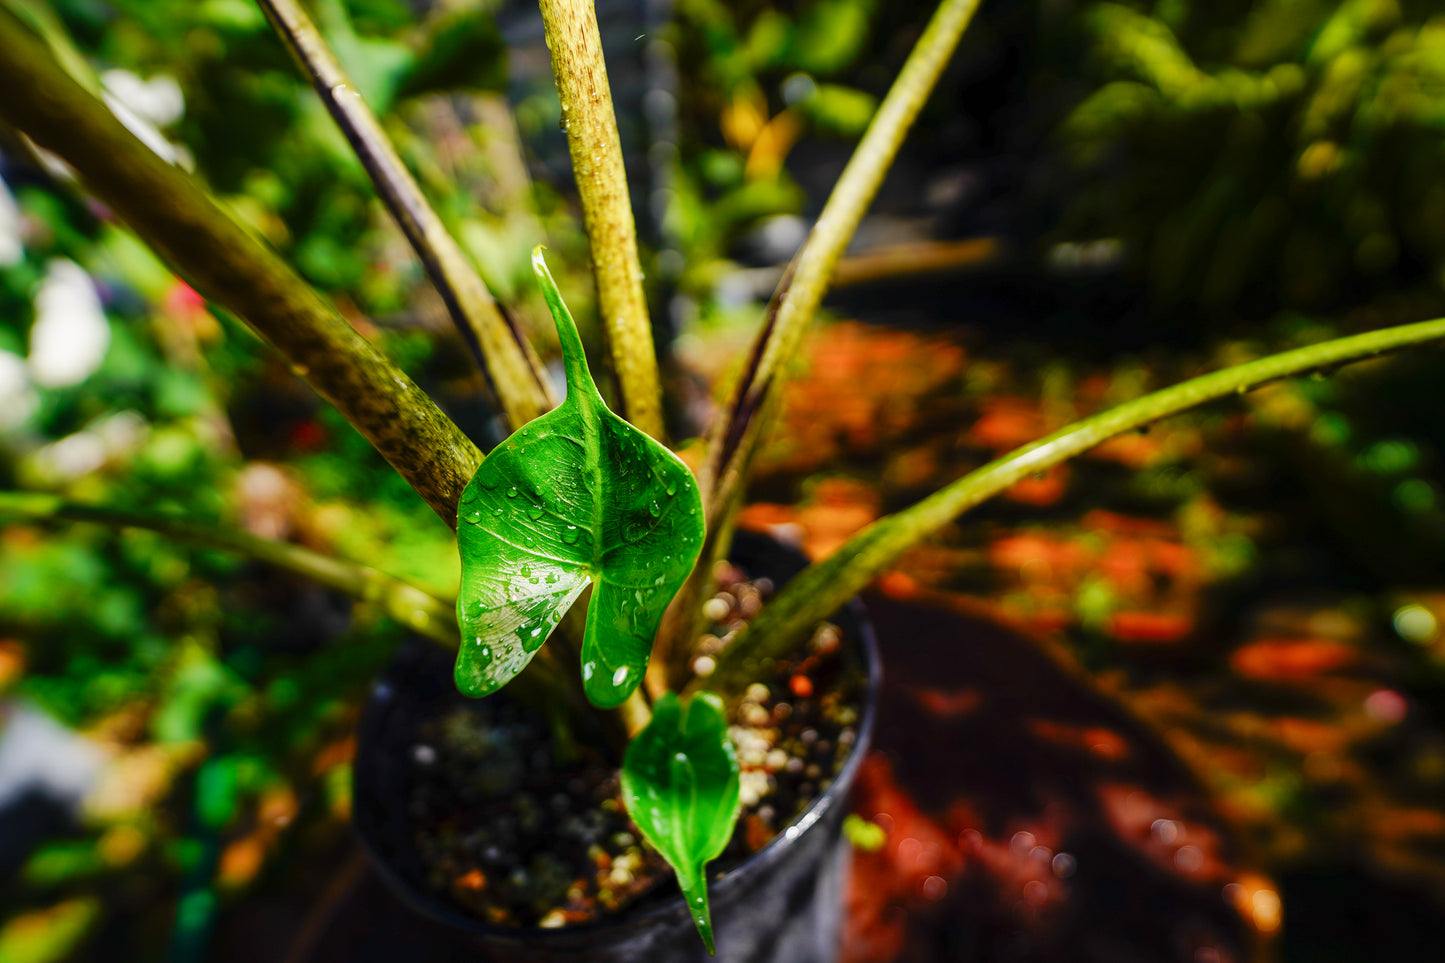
(680, 781)
(576, 495)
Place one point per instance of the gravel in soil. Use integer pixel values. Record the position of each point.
(517, 838)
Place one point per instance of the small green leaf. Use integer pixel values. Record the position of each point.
(680, 781)
(576, 495)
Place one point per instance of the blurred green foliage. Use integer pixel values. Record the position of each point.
(1254, 157)
(164, 648)
(1265, 155)
(758, 79)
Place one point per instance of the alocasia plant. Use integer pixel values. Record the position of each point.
(576, 495)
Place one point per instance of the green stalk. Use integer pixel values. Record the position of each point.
(505, 356)
(824, 586)
(801, 289)
(418, 610)
(232, 268)
(544, 683)
(596, 148)
(752, 405)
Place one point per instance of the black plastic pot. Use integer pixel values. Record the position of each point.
(784, 904)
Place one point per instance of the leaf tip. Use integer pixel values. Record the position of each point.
(609, 691)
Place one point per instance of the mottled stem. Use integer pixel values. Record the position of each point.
(596, 149)
(824, 586)
(232, 268)
(511, 367)
(753, 402)
(801, 288)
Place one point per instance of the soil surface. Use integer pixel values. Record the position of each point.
(515, 837)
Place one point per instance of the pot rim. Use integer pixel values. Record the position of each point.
(674, 909)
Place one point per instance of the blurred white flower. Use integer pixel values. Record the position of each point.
(12, 248)
(18, 400)
(106, 440)
(146, 106)
(38, 753)
(70, 336)
(159, 100)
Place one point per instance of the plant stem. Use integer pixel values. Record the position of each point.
(232, 268)
(596, 148)
(824, 586)
(543, 684)
(752, 405)
(796, 298)
(418, 610)
(511, 366)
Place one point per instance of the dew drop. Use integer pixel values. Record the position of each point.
(512, 492)
(588, 668)
(526, 570)
(489, 481)
(620, 676)
(534, 511)
(474, 517)
(671, 487)
(570, 534)
(654, 509)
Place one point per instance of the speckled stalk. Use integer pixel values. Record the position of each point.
(753, 403)
(232, 268)
(511, 366)
(801, 288)
(596, 148)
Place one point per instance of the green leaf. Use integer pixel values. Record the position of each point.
(840, 110)
(830, 35)
(463, 50)
(577, 495)
(680, 781)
